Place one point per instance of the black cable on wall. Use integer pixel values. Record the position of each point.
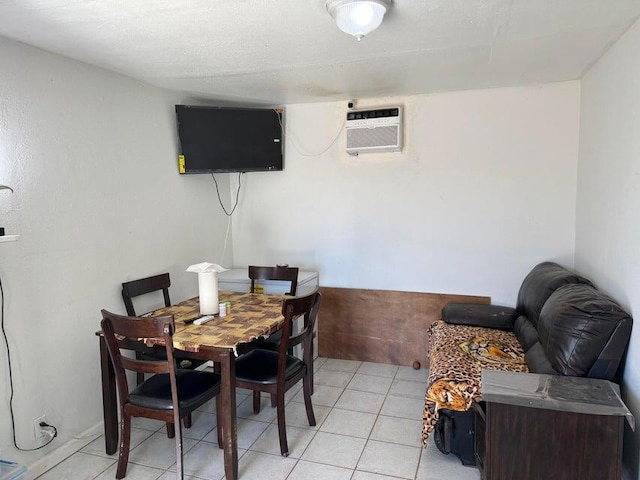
(13, 422)
(228, 214)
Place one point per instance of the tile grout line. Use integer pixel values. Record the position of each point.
(329, 413)
(351, 375)
(317, 430)
(371, 431)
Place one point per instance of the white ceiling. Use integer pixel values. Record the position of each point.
(290, 51)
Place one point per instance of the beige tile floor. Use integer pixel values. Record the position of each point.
(368, 428)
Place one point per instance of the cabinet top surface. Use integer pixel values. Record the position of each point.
(554, 392)
(242, 275)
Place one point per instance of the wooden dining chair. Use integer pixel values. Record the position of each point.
(286, 274)
(290, 274)
(272, 372)
(169, 395)
(144, 286)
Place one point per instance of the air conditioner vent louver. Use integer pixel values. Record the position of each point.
(378, 130)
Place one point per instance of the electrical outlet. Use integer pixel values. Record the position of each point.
(38, 431)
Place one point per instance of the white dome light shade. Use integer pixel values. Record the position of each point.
(358, 17)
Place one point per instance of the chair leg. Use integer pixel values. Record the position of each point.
(179, 463)
(282, 428)
(171, 430)
(274, 401)
(310, 365)
(186, 421)
(125, 443)
(256, 402)
(219, 414)
(306, 391)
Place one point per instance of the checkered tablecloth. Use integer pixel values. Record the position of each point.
(251, 316)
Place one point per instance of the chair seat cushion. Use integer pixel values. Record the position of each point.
(261, 366)
(151, 355)
(186, 363)
(194, 389)
(272, 342)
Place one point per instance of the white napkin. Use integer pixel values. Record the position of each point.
(206, 267)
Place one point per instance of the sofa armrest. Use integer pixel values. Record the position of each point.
(475, 315)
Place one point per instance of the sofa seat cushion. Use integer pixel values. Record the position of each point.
(537, 360)
(525, 332)
(490, 351)
(544, 279)
(575, 325)
(459, 353)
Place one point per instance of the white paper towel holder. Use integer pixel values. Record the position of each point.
(207, 286)
(208, 292)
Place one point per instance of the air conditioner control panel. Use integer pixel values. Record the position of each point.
(378, 113)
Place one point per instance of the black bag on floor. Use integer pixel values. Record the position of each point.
(455, 433)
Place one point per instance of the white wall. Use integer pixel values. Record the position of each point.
(483, 190)
(98, 201)
(608, 209)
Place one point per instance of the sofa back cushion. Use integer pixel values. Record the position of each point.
(538, 286)
(576, 323)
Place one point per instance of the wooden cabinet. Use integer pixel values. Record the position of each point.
(549, 427)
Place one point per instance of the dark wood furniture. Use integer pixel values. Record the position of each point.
(143, 286)
(276, 372)
(251, 316)
(540, 427)
(169, 395)
(285, 274)
(280, 273)
(381, 325)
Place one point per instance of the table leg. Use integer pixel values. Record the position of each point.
(229, 424)
(109, 401)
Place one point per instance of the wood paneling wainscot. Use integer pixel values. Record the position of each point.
(381, 326)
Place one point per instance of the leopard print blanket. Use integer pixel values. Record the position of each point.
(458, 355)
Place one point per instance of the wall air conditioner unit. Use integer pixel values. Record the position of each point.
(376, 130)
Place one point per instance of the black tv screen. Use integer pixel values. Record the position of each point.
(216, 139)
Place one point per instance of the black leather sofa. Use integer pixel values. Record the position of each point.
(564, 325)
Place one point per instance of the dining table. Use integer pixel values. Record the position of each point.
(251, 316)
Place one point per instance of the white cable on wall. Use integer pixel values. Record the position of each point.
(294, 139)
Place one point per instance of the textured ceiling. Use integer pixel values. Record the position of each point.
(290, 51)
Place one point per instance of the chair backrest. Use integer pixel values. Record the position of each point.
(127, 327)
(288, 274)
(142, 286)
(293, 308)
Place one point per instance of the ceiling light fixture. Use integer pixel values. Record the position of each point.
(358, 17)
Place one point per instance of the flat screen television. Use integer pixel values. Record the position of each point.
(216, 139)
